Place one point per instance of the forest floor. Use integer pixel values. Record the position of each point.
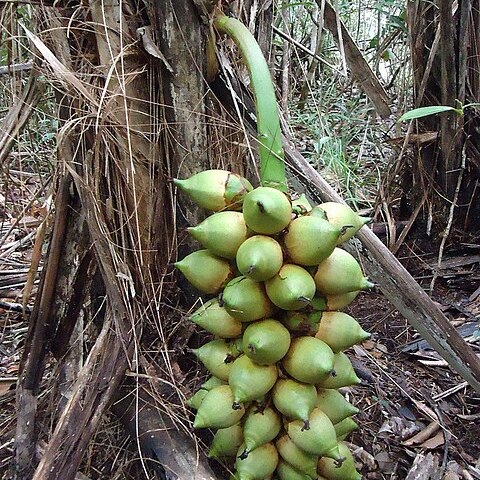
(418, 419)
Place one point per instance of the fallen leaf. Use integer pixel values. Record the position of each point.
(434, 442)
(423, 435)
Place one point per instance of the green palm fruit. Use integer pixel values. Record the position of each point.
(340, 301)
(259, 258)
(330, 469)
(250, 381)
(226, 442)
(205, 271)
(300, 459)
(215, 189)
(221, 233)
(267, 210)
(212, 382)
(246, 300)
(340, 331)
(301, 205)
(333, 404)
(342, 216)
(258, 465)
(216, 410)
(259, 427)
(217, 357)
(266, 341)
(340, 273)
(310, 240)
(294, 400)
(292, 288)
(216, 320)
(319, 439)
(301, 322)
(308, 360)
(344, 428)
(344, 373)
(196, 399)
(285, 471)
(318, 212)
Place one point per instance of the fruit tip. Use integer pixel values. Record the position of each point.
(367, 284)
(366, 220)
(334, 454)
(178, 182)
(306, 425)
(198, 422)
(244, 455)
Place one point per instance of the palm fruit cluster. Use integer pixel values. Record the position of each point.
(279, 281)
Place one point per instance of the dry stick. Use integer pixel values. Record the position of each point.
(399, 286)
(359, 67)
(32, 363)
(446, 232)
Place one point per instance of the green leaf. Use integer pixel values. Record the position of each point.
(426, 111)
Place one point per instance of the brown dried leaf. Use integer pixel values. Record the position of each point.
(424, 435)
(434, 442)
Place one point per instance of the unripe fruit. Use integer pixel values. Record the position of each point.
(215, 189)
(340, 331)
(216, 320)
(320, 439)
(338, 302)
(250, 381)
(308, 360)
(344, 373)
(344, 428)
(340, 273)
(285, 471)
(292, 288)
(329, 469)
(212, 382)
(259, 464)
(266, 342)
(246, 300)
(196, 399)
(259, 428)
(300, 459)
(333, 404)
(301, 322)
(342, 216)
(205, 271)
(310, 240)
(216, 409)
(217, 358)
(294, 399)
(226, 442)
(259, 258)
(267, 210)
(221, 233)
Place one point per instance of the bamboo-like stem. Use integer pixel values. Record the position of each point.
(272, 166)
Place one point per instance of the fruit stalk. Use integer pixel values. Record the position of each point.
(272, 166)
